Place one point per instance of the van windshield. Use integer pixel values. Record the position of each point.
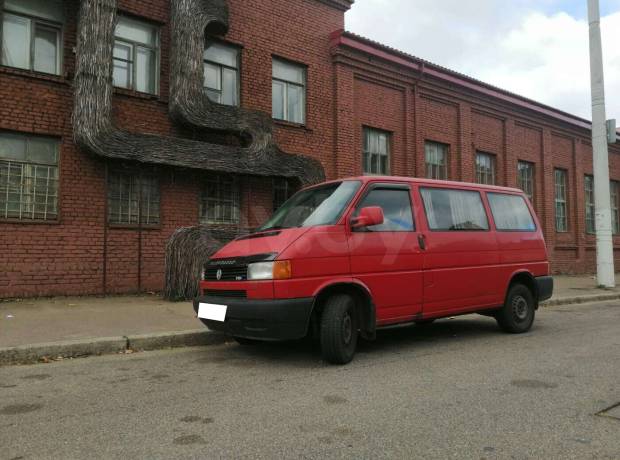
(321, 205)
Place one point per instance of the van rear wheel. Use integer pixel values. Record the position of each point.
(339, 329)
(517, 314)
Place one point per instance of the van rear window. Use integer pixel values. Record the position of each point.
(510, 213)
(454, 210)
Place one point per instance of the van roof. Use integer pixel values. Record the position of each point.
(417, 180)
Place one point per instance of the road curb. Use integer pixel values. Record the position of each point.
(201, 337)
(42, 352)
(25, 354)
(581, 299)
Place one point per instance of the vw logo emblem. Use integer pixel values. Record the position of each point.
(218, 274)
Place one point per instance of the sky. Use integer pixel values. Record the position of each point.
(535, 48)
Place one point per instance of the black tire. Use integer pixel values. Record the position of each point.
(424, 322)
(244, 341)
(339, 329)
(519, 310)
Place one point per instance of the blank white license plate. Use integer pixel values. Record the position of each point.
(212, 311)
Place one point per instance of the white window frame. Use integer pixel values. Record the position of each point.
(287, 84)
(368, 154)
(34, 23)
(234, 201)
(432, 153)
(27, 171)
(614, 188)
(525, 178)
(133, 46)
(561, 202)
(483, 176)
(221, 68)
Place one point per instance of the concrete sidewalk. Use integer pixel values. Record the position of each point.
(35, 329)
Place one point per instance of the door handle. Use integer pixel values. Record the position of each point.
(422, 241)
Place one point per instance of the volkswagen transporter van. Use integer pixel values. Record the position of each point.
(344, 258)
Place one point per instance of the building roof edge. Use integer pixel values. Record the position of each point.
(366, 45)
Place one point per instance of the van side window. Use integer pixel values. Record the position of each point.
(454, 210)
(396, 205)
(510, 213)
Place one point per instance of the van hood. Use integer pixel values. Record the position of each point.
(269, 242)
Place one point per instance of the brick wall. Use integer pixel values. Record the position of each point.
(346, 90)
(467, 122)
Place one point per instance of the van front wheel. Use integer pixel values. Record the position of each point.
(339, 329)
(517, 314)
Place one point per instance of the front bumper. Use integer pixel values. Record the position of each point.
(545, 287)
(273, 319)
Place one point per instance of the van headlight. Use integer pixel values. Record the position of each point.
(277, 270)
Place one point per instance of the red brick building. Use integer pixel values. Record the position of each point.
(73, 222)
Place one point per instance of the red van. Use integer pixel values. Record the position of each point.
(343, 258)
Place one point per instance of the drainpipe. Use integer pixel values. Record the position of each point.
(105, 232)
(140, 181)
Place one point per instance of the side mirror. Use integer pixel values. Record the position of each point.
(372, 215)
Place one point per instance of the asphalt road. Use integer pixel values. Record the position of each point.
(458, 388)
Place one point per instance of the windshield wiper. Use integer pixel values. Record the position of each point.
(275, 227)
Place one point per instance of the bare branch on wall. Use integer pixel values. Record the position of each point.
(256, 153)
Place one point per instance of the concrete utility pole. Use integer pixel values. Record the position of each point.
(604, 245)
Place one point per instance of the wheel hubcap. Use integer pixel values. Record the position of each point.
(347, 329)
(520, 308)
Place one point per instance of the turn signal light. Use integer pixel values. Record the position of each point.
(282, 270)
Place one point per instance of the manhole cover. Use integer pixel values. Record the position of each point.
(613, 412)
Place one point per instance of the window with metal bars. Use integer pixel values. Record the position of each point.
(588, 185)
(436, 156)
(133, 198)
(31, 35)
(136, 55)
(376, 154)
(561, 205)
(525, 178)
(28, 177)
(615, 216)
(282, 191)
(221, 73)
(485, 168)
(220, 202)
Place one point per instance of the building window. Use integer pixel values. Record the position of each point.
(135, 55)
(525, 178)
(28, 177)
(485, 168)
(436, 160)
(376, 153)
(282, 191)
(288, 88)
(31, 35)
(613, 197)
(219, 202)
(588, 184)
(561, 214)
(133, 198)
(221, 73)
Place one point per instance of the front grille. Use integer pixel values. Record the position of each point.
(226, 293)
(228, 273)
